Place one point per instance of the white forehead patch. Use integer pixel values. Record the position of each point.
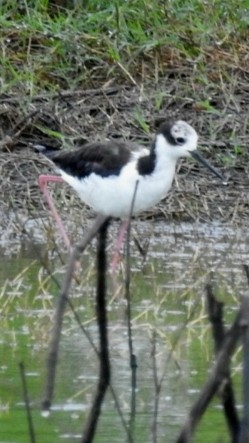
(181, 129)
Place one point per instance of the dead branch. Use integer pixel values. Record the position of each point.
(226, 392)
(59, 312)
(104, 370)
(157, 385)
(9, 141)
(244, 434)
(217, 376)
(133, 360)
(27, 403)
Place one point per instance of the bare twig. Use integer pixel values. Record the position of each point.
(27, 403)
(246, 269)
(157, 385)
(105, 370)
(142, 249)
(10, 140)
(215, 380)
(226, 392)
(59, 311)
(133, 361)
(215, 313)
(67, 94)
(244, 435)
(115, 398)
(85, 332)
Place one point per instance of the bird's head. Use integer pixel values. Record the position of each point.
(179, 139)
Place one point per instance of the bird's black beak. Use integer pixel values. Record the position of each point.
(196, 154)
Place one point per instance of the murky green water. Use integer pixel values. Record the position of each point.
(167, 301)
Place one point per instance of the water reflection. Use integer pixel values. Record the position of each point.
(167, 297)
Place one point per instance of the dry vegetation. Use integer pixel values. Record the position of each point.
(116, 71)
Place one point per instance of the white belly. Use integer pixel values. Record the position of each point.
(113, 195)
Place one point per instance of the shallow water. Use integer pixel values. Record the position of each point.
(168, 304)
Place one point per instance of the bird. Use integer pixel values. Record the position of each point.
(105, 174)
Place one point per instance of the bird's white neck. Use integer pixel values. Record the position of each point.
(164, 161)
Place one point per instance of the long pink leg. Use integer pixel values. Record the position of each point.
(118, 244)
(43, 181)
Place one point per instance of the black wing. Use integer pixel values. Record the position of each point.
(104, 158)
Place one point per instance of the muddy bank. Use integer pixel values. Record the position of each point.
(132, 112)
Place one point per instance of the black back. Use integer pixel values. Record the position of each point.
(103, 158)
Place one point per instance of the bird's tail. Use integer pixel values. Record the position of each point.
(48, 151)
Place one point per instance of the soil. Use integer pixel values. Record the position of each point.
(219, 113)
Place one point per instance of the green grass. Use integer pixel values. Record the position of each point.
(46, 49)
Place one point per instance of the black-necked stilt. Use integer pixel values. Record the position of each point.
(104, 174)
